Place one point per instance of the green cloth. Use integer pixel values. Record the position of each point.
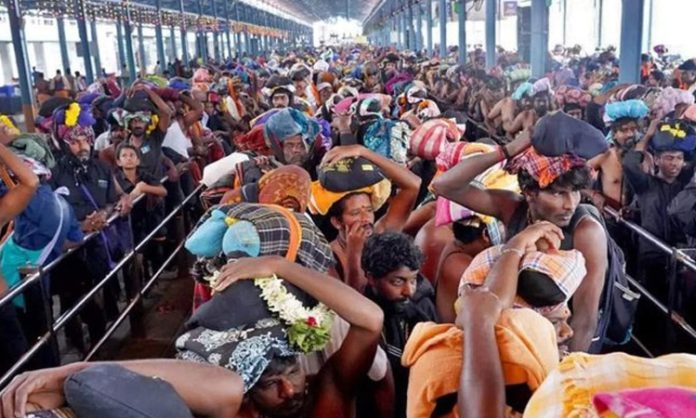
(34, 146)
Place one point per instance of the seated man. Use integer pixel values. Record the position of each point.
(266, 383)
(550, 192)
(391, 263)
(353, 214)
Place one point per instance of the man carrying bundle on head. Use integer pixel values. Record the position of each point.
(551, 188)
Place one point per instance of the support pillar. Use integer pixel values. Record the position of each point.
(172, 39)
(429, 25)
(443, 28)
(411, 31)
(159, 38)
(141, 50)
(565, 22)
(419, 26)
(121, 49)
(600, 19)
(540, 37)
(130, 54)
(490, 32)
(184, 32)
(631, 40)
(64, 57)
(227, 31)
(84, 41)
(216, 35)
(461, 16)
(95, 42)
(399, 31)
(20, 50)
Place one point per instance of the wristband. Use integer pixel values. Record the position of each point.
(501, 153)
(503, 148)
(517, 251)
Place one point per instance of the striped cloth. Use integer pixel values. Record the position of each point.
(569, 390)
(274, 231)
(430, 139)
(565, 268)
(545, 170)
(495, 177)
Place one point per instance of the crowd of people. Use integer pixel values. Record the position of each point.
(380, 234)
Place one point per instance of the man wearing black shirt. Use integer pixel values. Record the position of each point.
(89, 188)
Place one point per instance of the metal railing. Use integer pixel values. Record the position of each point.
(677, 256)
(63, 319)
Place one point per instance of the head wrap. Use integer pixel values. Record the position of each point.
(388, 138)
(430, 138)
(569, 390)
(542, 85)
(495, 177)
(434, 354)
(415, 93)
(558, 133)
(566, 95)
(253, 141)
(523, 90)
(286, 182)
(545, 170)
(566, 269)
(71, 122)
(246, 350)
(369, 108)
(427, 109)
(674, 136)
(288, 123)
(631, 109)
(7, 122)
(668, 100)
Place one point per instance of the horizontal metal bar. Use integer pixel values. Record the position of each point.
(676, 318)
(133, 302)
(15, 290)
(67, 316)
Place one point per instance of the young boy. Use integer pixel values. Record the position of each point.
(149, 212)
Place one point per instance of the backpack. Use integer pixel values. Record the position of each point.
(618, 302)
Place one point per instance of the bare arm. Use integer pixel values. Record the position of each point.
(17, 198)
(352, 361)
(44, 388)
(590, 239)
(482, 386)
(195, 112)
(454, 184)
(163, 110)
(401, 205)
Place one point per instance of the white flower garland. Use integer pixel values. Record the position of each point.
(288, 308)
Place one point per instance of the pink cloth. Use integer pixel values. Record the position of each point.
(655, 402)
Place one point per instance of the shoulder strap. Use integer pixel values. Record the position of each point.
(295, 232)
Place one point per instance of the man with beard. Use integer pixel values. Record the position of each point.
(391, 263)
(146, 128)
(255, 387)
(91, 190)
(550, 192)
(353, 215)
(688, 76)
(280, 92)
(292, 137)
(623, 119)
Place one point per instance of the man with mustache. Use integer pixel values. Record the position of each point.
(353, 216)
(88, 185)
(550, 192)
(391, 263)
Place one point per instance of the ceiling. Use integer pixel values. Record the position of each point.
(311, 11)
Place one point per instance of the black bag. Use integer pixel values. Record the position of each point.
(618, 302)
